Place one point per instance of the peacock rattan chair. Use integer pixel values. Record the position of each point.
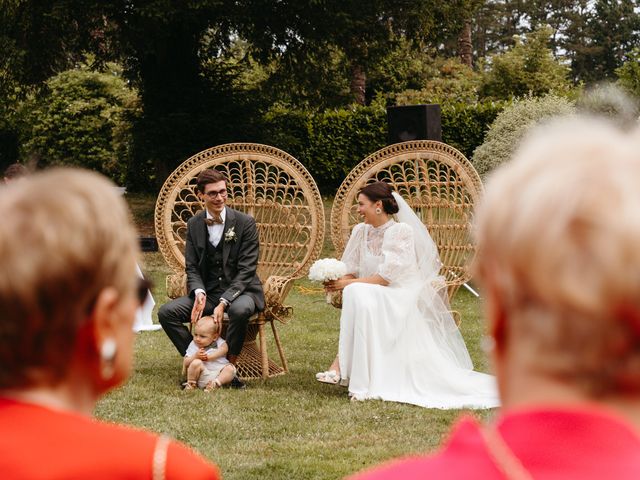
(276, 190)
(437, 181)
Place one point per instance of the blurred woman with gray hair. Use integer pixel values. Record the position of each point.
(559, 259)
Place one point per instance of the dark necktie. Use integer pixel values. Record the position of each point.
(217, 219)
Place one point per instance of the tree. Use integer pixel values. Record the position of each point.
(37, 40)
(159, 43)
(629, 73)
(527, 69)
(612, 31)
(173, 53)
(365, 32)
(594, 36)
(447, 81)
(465, 45)
(495, 24)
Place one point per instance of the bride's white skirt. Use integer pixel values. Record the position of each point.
(388, 351)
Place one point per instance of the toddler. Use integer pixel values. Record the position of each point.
(206, 361)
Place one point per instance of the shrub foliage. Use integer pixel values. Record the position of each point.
(79, 119)
(511, 125)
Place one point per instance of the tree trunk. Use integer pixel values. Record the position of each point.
(358, 83)
(465, 49)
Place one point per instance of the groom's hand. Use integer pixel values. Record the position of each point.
(218, 313)
(198, 307)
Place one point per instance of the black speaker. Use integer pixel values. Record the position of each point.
(414, 122)
(148, 244)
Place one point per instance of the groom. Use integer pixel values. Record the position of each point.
(221, 257)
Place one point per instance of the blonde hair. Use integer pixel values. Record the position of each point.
(65, 236)
(208, 319)
(559, 242)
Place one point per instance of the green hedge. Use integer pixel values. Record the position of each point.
(332, 142)
(94, 120)
(328, 143)
(465, 126)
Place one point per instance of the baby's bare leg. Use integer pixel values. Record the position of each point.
(194, 371)
(226, 374)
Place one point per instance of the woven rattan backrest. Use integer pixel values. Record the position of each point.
(262, 181)
(437, 181)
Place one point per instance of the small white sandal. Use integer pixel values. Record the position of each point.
(330, 376)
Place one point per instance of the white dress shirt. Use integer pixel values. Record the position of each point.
(215, 234)
(215, 231)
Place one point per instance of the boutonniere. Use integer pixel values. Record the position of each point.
(230, 235)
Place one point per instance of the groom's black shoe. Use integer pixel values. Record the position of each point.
(237, 383)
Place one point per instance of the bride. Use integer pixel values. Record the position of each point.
(398, 341)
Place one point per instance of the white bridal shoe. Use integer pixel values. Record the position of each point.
(331, 377)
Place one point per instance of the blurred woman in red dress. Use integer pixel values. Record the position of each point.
(559, 258)
(68, 297)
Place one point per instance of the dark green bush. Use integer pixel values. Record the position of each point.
(80, 119)
(328, 143)
(340, 139)
(288, 130)
(332, 142)
(464, 126)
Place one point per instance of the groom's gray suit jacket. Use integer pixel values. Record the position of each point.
(239, 256)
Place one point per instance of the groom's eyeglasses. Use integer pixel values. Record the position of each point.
(142, 289)
(214, 193)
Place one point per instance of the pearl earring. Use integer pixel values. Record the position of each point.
(487, 343)
(108, 351)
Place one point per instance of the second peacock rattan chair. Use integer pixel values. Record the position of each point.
(437, 181)
(280, 194)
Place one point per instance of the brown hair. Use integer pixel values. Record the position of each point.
(208, 176)
(66, 235)
(381, 191)
(15, 170)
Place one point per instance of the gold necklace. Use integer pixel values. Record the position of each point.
(502, 455)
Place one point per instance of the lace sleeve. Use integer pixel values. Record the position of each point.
(398, 251)
(351, 255)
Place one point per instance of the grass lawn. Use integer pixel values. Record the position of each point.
(289, 426)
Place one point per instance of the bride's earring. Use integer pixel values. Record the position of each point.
(378, 210)
(108, 351)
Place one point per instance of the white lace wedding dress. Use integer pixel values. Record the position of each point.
(399, 342)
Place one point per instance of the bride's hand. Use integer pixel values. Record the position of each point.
(335, 285)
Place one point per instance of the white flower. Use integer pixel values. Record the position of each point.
(327, 269)
(230, 235)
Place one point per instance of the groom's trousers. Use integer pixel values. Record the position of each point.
(174, 314)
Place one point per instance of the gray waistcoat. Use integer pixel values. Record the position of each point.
(214, 268)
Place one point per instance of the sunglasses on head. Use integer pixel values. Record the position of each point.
(142, 289)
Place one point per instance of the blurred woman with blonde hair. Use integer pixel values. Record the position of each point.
(559, 259)
(68, 297)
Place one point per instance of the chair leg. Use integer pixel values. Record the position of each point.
(263, 351)
(276, 337)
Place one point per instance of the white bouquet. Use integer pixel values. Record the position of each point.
(327, 269)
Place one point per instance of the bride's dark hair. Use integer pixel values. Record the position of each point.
(381, 191)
